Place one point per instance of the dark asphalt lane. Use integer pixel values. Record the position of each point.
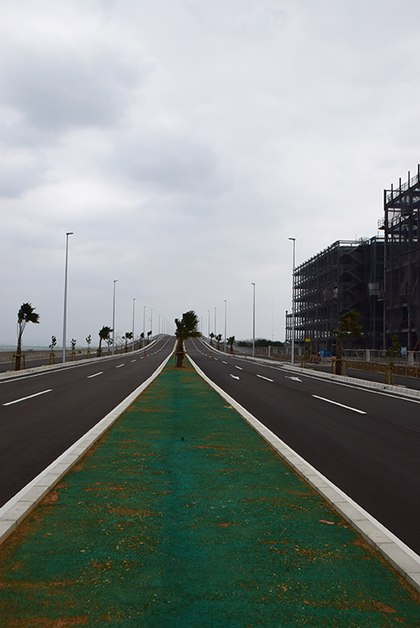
(38, 429)
(369, 445)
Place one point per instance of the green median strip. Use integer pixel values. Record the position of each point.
(182, 516)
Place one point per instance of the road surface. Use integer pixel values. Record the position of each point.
(367, 442)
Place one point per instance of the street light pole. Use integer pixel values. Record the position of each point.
(113, 319)
(225, 320)
(134, 301)
(292, 360)
(65, 295)
(253, 320)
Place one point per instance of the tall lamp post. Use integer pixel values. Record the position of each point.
(225, 320)
(292, 360)
(65, 295)
(134, 301)
(113, 319)
(253, 319)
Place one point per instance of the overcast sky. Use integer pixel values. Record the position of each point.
(183, 142)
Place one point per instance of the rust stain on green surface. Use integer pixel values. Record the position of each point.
(182, 516)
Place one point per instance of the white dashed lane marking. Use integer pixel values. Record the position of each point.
(339, 404)
(9, 403)
(266, 378)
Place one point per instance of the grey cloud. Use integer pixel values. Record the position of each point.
(171, 163)
(244, 18)
(20, 171)
(63, 88)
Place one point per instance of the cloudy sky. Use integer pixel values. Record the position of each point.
(183, 142)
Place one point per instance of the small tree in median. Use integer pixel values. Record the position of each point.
(187, 327)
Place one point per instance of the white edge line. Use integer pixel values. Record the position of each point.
(401, 557)
(22, 504)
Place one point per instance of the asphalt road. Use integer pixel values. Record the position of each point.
(44, 413)
(367, 442)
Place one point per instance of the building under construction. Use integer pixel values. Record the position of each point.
(402, 262)
(347, 275)
(379, 277)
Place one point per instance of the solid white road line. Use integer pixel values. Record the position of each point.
(9, 403)
(339, 404)
(95, 375)
(267, 378)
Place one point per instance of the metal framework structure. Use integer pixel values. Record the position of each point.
(346, 275)
(402, 262)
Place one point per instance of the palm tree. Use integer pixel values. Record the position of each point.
(104, 334)
(51, 347)
(211, 338)
(88, 340)
(187, 327)
(26, 315)
(128, 336)
(219, 340)
(348, 327)
(231, 342)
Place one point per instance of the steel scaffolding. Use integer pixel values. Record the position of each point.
(402, 262)
(346, 275)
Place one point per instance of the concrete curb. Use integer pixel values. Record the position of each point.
(22, 504)
(399, 555)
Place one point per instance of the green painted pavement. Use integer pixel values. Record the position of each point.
(182, 516)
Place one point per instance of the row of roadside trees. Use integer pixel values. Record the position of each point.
(27, 314)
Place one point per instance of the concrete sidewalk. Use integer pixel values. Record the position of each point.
(182, 516)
